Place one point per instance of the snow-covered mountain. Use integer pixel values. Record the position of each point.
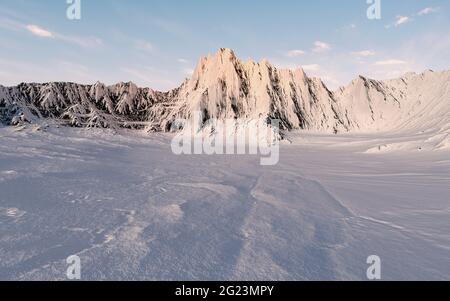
(414, 102)
(120, 105)
(223, 87)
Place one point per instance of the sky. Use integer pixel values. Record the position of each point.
(157, 43)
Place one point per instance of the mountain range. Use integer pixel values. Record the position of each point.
(223, 87)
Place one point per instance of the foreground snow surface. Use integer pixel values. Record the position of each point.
(131, 210)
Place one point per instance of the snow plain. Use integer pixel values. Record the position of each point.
(131, 210)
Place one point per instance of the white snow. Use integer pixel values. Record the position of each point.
(134, 211)
(224, 87)
(413, 103)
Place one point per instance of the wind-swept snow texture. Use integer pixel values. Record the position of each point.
(413, 103)
(131, 210)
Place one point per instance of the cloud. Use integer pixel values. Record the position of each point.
(183, 61)
(363, 53)
(85, 42)
(312, 67)
(9, 24)
(39, 31)
(347, 27)
(428, 10)
(143, 46)
(350, 26)
(390, 62)
(401, 20)
(295, 53)
(321, 47)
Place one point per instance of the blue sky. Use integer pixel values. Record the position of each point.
(157, 43)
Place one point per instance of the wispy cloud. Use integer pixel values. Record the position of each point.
(10, 24)
(428, 10)
(39, 31)
(390, 62)
(143, 46)
(320, 47)
(363, 53)
(295, 53)
(401, 20)
(348, 27)
(311, 67)
(85, 42)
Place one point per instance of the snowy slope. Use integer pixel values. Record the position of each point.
(427, 101)
(132, 210)
(413, 102)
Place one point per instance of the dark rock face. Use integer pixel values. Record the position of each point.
(121, 105)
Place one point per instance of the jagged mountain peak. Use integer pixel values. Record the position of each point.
(226, 54)
(223, 86)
